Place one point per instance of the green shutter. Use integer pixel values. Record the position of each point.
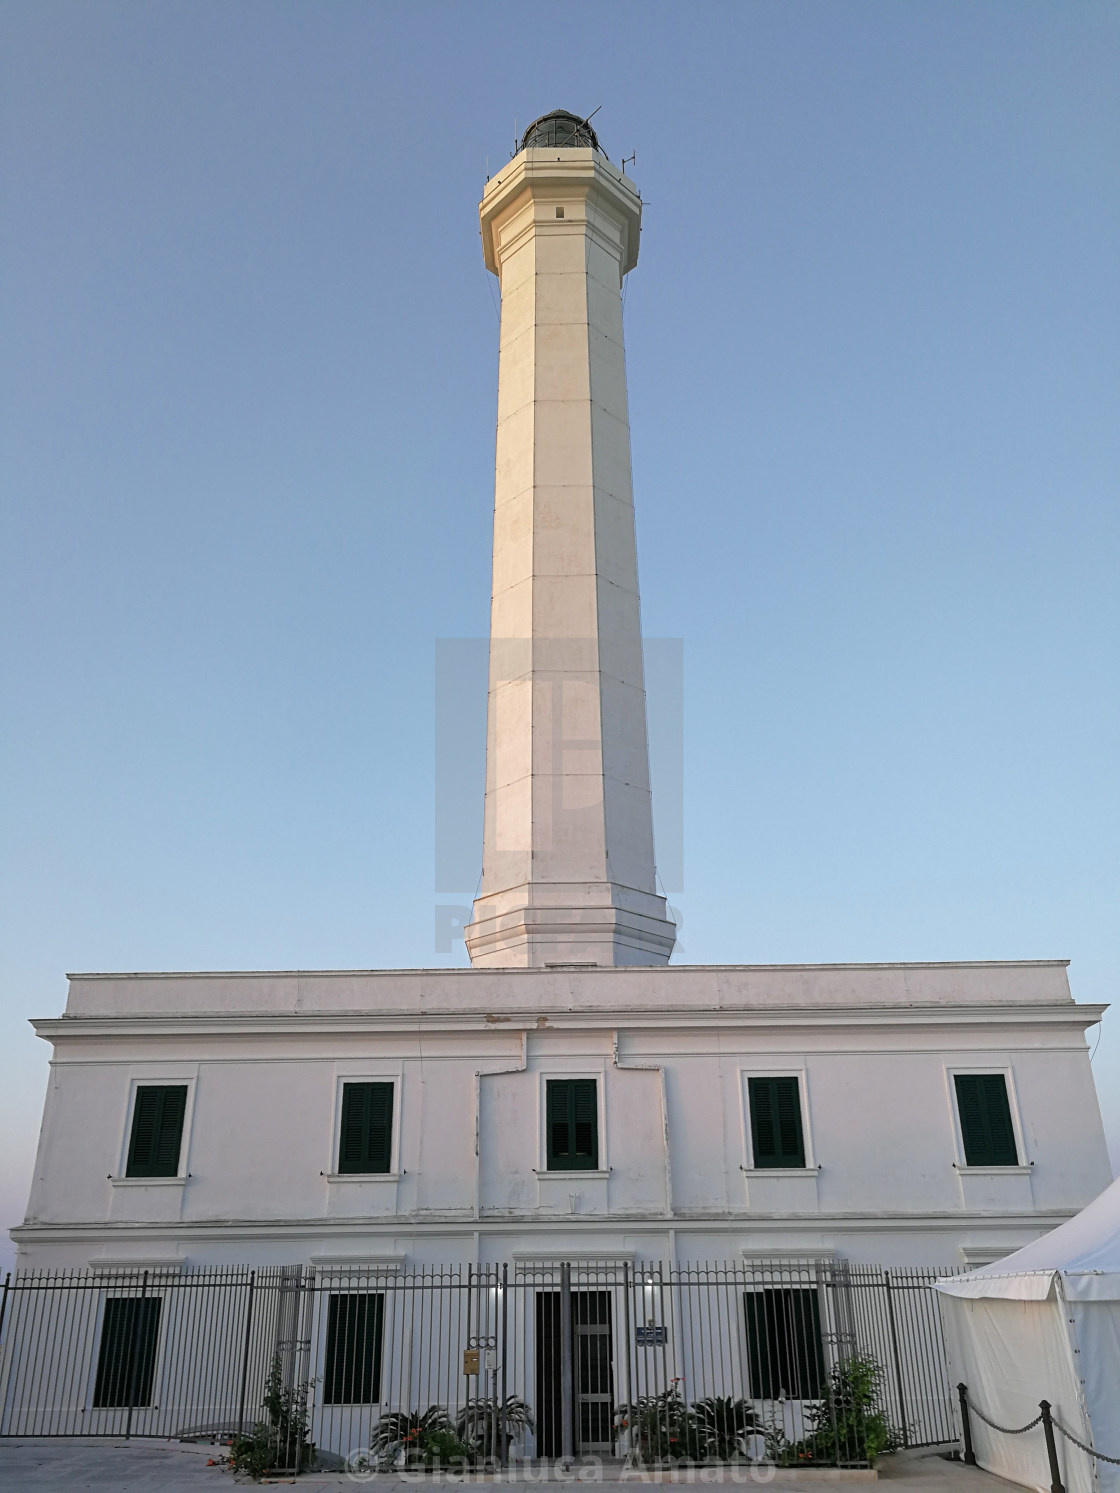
(557, 1122)
(170, 1137)
(379, 1145)
(157, 1131)
(1000, 1128)
(145, 1121)
(352, 1143)
(776, 1138)
(366, 1140)
(126, 1359)
(986, 1129)
(352, 1371)
(585, 1121)
(572, 1123)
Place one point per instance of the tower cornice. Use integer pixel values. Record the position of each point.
(543, 180)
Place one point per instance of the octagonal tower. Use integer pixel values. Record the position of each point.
(568, 861)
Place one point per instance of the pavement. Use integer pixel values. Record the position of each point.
(109, 1466)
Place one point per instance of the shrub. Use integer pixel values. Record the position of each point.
(661, 1427)
(845, 1425)
(281, 1443)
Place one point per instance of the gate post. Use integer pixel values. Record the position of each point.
(567, 1409)
(627, 1340)
(307, 1303)
(966, 1425)
(504, 1309)
(245, 1355)
(1051, 1449)
(135, 1356)
(897, 1359)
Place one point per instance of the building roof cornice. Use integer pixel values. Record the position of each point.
(258, 1024)
(289, 1230)
(620, 971)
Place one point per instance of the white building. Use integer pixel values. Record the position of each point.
(572, 1095)
(263, 1159)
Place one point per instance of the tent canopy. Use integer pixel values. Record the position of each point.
(1085, 1252)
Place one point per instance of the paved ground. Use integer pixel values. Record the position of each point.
(70, 1466)
(107, 1465)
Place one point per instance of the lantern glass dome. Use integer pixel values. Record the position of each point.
(559, 130)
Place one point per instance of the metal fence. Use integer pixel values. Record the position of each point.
(660, 1363)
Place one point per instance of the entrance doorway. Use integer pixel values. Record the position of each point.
(592, 1351)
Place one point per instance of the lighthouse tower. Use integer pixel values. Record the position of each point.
(568, 873)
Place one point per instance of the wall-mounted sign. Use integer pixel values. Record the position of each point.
(651, 1336)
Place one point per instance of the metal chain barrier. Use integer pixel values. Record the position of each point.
(1100, 1456)
(1045, 1418)
(1007, 1430)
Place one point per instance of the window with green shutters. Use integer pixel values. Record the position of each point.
(776, 1137)
(366, 1141)
(352, 1368)
(986, 1128)
(126, 1359)
(157, 1131)
(572, 1121)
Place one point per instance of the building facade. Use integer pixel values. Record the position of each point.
(897, 1114)
(572, 1095)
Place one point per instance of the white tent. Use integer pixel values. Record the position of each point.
(1044, 1324)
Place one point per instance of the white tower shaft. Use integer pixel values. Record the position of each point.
(568, 863)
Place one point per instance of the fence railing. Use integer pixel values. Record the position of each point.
(521, 1360)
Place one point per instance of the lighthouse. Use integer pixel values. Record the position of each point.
(358, 1155)
(568, 874)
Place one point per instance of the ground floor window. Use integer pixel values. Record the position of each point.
(352, 1372)
(126, 1360)
(784, 1351)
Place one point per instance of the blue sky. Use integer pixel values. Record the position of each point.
(248, 361)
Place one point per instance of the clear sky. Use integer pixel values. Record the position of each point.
(248, 354)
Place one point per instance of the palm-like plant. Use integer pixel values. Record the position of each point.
(722, 1426)
(409, 1432)
(478, 1424)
